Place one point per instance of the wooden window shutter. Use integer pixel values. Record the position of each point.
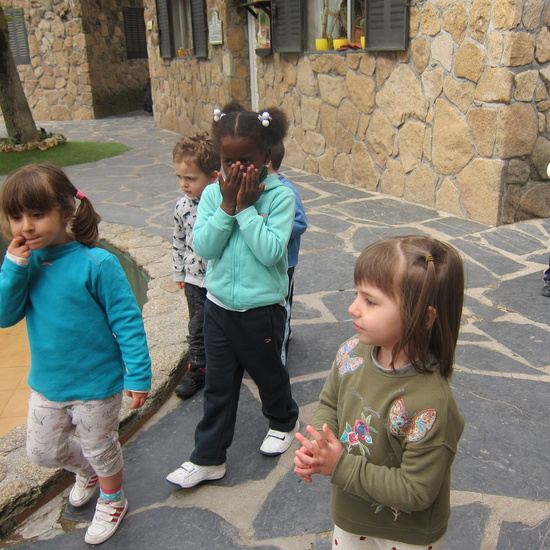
(18, 36)
(134, 29)
(387, 25)
(287, 23)
(200, 35)
(165, 40)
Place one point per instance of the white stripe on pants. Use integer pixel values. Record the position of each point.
(80, 436)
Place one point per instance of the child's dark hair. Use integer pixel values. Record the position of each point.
(277, 154)
(201, 149)
(236, 121)
(419, 273)
(46, 187)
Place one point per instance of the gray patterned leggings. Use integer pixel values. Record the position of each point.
(80, 436)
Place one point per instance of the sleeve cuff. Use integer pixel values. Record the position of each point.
(16, 259)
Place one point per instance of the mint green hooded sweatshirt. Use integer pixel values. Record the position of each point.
(247, 252)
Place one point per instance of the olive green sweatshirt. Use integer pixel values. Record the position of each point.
(400, 433)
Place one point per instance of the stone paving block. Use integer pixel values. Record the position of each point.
(501, 451)
(533, 230)
(476, 276)
(303, 311)
(541, 258)
(294, 508)
(326, 201)
(466, 527)
(368, 234)
(329, 221)
(388, 211)
(157, 172)
(338, 304)
(532, 344)
(338, 189)
(174, 434)
(82, 513)
(307, 358)
(515, 536)
(455, 227)
(317, 240)
(483, 359)
(493, 261)
(305, 393)
(472, 337)
(162, 527)
(113, 212)
(481, 311)
(322, 544)
(512, 241)
(523, 295)
(338, 277)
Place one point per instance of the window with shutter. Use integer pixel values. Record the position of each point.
(378, 24)
(17, 31)
(288, 18)
(165, 38)
(200, 40)
(182, 28)
(387, 25)
(134, 29)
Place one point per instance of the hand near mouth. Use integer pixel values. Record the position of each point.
(19, 248)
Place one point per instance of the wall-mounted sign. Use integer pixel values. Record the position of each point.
(215, 33)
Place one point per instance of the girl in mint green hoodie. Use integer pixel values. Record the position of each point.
(243, 226)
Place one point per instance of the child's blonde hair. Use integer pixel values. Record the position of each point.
(201, 149)
(419, 273)
(46, 187)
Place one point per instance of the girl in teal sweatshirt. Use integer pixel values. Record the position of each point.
(85, 332)
(386, 429)
(242, 229)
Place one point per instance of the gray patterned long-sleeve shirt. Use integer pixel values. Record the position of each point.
(189, 267)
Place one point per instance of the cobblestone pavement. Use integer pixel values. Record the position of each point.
(501, 485)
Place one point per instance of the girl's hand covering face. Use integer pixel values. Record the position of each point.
(229, 187)
(250, 190)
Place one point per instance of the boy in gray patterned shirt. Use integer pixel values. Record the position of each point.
(196, 163)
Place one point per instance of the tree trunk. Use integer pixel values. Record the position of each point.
(13, 102)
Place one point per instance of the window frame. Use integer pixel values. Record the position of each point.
(199, 29)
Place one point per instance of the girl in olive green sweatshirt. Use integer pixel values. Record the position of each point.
(387, 426)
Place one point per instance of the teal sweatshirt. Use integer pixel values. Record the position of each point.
(85, 329)
(247, 252)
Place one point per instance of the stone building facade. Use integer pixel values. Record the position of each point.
(79, 67)
(459, 120)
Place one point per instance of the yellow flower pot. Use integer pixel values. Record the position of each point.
(321, 44)
(339, 42)
(363, 42)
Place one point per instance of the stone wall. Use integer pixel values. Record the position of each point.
(186, 90)
(79, 68)
(459, 121)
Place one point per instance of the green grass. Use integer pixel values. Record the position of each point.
(71, 152)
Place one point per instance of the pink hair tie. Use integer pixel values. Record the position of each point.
(80, 195)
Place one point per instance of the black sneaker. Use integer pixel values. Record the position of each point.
(192, 382)
(546, 289)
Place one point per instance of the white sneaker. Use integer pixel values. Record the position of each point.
(108, 516)
(83, 489)
(276, 443)
(188, 474)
